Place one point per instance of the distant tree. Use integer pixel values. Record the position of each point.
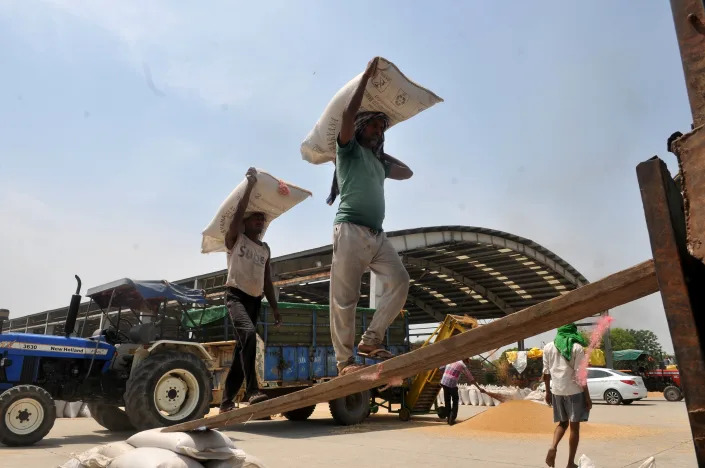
(622, 339)
(648, 341)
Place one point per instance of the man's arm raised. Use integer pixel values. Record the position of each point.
(234, 228)
(347, 128)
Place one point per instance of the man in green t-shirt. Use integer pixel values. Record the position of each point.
(359, 242)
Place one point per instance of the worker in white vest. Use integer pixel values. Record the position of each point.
(248, 279)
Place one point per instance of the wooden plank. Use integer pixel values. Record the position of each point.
(681, 281)
(617, 289)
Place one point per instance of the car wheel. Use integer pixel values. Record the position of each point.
(613, 397)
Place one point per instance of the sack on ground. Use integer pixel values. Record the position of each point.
(205, 445)
(84, 412)
(60, 408)
(72, 408)
(389, 91)
(242, 460)
(150, 457)
(269, 196)
(115, 449)
(98, 457)
(473, 396)
(464, 395)
(585, 462)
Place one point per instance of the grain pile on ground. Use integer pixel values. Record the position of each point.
(523, 417)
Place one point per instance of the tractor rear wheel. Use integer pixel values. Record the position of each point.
(28, 413)
(110, 417)
(168, 388)
(672, 393)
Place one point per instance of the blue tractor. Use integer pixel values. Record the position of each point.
(140, 359)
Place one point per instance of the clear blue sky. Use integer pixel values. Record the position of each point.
(124, 124)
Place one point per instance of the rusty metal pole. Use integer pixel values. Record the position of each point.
(681, 279)
(688, 16)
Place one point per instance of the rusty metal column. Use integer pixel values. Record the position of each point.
(681, 278)
(688, 16)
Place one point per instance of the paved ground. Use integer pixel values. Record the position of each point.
(384, 441)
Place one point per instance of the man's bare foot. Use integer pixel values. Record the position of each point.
(551, 457)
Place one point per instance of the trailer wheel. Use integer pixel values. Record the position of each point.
(404, 414)
(168, 388)
(301, 414)
(672, 393)
(110, 417)
(351, 409)
(28, 414)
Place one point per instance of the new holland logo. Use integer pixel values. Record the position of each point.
(53, 348)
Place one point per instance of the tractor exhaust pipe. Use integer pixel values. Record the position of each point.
(4, 315)
(73, 309)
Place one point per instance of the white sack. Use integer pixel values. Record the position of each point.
(474, 399)
(204, 445)
(464, 395)
(486, 399)
(243, 460)
(60, 407)
(98, 457)
(521, 361)
(536, 395)
(73, 463)
(585, 462)
(115, 449)
(72, 408)
(266, 197)
(84, 412)
(389, 91)
(149, 457)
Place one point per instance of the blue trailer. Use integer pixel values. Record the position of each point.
(297, 354)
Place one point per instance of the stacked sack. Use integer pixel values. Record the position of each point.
(71, 409)
(470, 395)
(156, 449)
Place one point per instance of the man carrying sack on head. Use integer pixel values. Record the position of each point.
(571, 402)
(248, 278)
(359, 242)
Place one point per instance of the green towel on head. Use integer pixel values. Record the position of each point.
(566, 337)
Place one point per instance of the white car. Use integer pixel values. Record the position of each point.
(614, 387)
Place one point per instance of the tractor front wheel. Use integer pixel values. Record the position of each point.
(28, 414)
(168, 388)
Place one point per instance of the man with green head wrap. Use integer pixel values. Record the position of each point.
(570, 400)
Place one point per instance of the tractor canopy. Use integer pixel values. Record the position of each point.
(143, 295)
